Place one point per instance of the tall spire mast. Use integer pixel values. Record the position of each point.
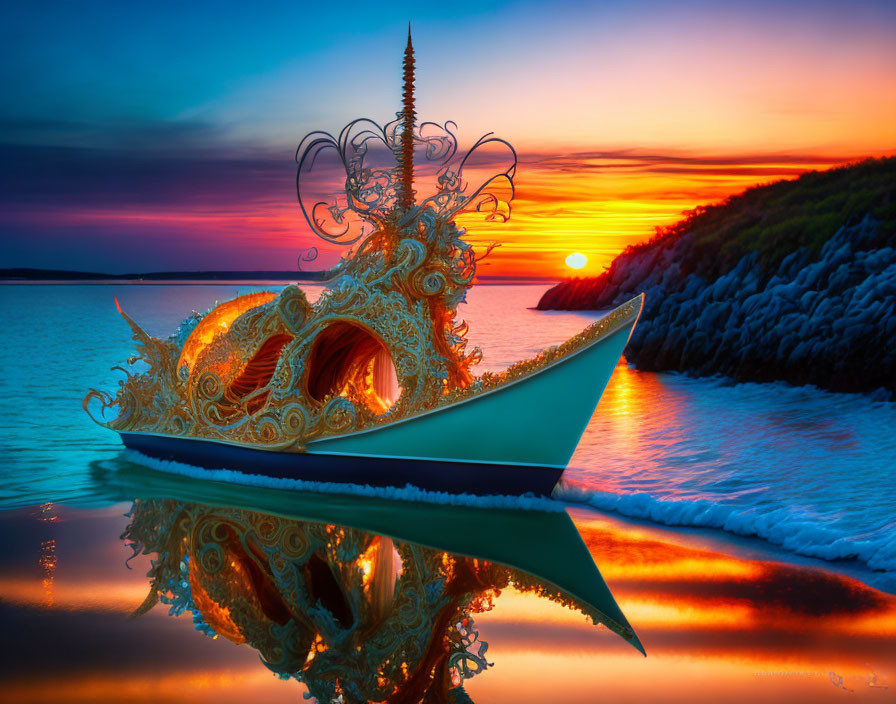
(408, 113)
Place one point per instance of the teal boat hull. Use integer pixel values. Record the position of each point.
(535, 421)
(515, 439)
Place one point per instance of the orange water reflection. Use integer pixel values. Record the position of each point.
(224, 685)
(715, 625)
(618, 426)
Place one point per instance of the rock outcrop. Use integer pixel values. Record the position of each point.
(782, 304)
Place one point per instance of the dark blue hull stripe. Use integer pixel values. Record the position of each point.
(432, 475)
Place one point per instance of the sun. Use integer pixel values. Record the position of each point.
(576, 260)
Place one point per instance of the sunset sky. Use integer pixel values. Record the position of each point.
(161, 137)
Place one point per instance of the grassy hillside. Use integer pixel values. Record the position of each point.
(795, 280)
(779, 218)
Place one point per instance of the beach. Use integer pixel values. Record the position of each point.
(741, 528)
(719, 618)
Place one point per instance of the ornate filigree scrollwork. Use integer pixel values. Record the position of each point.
(246, 371)
(314, 600)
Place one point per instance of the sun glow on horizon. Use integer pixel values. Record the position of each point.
(576, 260)
(623, 115)
(594, 204)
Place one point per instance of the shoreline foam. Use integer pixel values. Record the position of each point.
(779, 527)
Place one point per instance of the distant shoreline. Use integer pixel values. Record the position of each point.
(198, 278)
(26, 275)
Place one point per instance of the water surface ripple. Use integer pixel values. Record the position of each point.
(802, 468)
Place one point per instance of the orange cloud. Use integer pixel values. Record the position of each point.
(599, 203)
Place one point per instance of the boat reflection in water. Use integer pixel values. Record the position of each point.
(360, 599)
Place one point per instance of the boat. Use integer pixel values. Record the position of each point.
(354, 596)
(372, 384)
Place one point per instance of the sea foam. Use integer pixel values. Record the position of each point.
(406, 493)
(795, 532)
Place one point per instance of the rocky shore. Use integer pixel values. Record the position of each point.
(794, 281)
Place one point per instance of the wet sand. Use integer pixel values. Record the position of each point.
(721, 620)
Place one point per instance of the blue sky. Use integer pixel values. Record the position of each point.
(103, 101)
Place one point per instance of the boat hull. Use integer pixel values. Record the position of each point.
(512, 440)
(536, 420)
(432, 475)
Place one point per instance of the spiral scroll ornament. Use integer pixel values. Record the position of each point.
(248, 370)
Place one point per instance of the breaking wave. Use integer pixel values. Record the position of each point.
(786, 527)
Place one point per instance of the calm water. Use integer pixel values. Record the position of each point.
(806, 471)
(801, 468)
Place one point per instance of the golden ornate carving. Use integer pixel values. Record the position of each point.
(323, 603)
(279, 412)
(271, 370)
